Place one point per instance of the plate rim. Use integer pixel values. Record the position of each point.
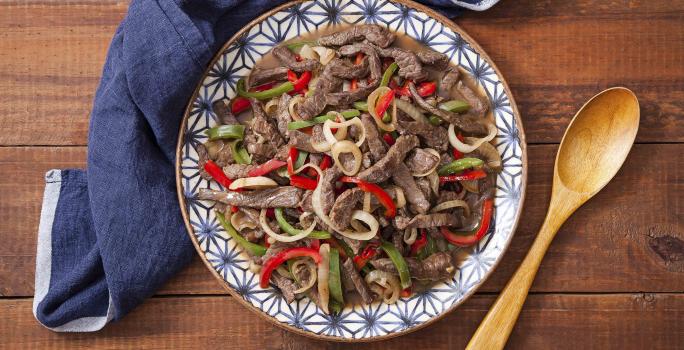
(189, 230)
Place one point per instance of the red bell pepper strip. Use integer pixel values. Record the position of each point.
(377, 191)
(270, 213)
(468, 238)
(285, 255)
(298, 57)
(326, 162)
(383, 103)
(291, 75)
(299, 83)
(239, 105)
(389, 139)
(424, 89)
(465, 176)
(405, 293)
(368, 253)
(266, 168)
(217, 173)
(234, 209)
(419, 243)
(303, 182)
(355, 82)
(291, 159)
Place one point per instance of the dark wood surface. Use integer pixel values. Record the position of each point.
(612, 279)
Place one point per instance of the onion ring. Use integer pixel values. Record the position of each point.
(291, 107)
(473, 142)
(410, 235)
(346, 146)
(434, 153)
(456, 203)
(279, 237)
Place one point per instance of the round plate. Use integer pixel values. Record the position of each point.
(227, 261)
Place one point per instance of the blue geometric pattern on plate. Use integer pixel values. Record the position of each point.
(360, 321)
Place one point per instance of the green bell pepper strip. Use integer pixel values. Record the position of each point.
(232, 131)
(335, 307)
(456, 106)
(361, 105)
(334, 279)
(266, 94)
(299, 44)
(399, 263)
(252, 248)
(389, 72)
(301, 159)
(386, 118)
(291, 230)
(240, 153)
(459, 165)
(429, 248)
(300, 124)
(435, 120)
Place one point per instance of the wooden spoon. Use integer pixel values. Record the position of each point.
(593, 149)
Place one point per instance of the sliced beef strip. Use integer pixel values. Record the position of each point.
(301, 141)
(478, 105)
(465, 122)
(344, 206)
(445, 196)
(436, 267)
(305, 203)
(283, 115)
(359, 283)
(376, 145)
(347, 283)
(433, 136)
(345, 69)
(236, 171)
(367, 160)
(403, 178)
(327, 183)
(224, 156)
(374, 63)
(421, 161)
(288, 59)
(222, 110)
(428, 220)
(347, 161)
(398, 241)
(372, 33)
(383, 169)
(449, 80)
(424, 185)
(262, 125)
(433, 59)
(283, 196)
(326, 83)
(286, 286)
(410, 67)
(202, 158)
(260, 76)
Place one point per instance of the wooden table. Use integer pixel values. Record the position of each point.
(613, 278)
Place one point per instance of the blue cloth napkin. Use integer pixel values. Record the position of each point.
(110, 236)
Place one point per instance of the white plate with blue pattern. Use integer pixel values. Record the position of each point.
(227, 261)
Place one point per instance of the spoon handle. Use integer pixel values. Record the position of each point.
(497, 325)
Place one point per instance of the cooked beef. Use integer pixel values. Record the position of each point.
(344, 206)
(236, 171)
(383, 169)
(286, 286)
(315, 158)
(445, 196)
(283, 196)
(288, 59)
(410, 66)
(433, 136)
(436, 267)
(478, 106)
(424, 185)
(222, 110)
(433, 59)
(398, 241)
(326, 83)
(359, 283)
(202, 158)
(347, 161)
(403, 178)
(372, 33)
(260, 76)
(300, 141)
(366, 160)
(421, 161)
(449, 80)
(376, 145)
(346, 70)
(262, 125)
(427, 220)
(327, 183)
(224, 156)
(374, 64)
(283, 115)
(465, 122)
(305, 203)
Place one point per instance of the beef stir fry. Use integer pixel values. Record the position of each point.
(363, 167)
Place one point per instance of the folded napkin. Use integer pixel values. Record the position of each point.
(110, 236)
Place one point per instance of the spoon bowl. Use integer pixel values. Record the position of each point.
(591, 152)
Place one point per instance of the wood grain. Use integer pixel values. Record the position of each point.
(628, 222)
(640, 321)
(52, 57)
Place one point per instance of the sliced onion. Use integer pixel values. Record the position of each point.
(253, 183)
(436, 154)
(307, 52)
(240, 221)
(471, 185)
(279, 237)
(472, 142)
(372, 101)
(306, 264)
(384, 285)
(323, 275)
(342, 130)
(367, 202)
(346, 146)
(433, 178)
(410, 235)
(491, 156)
(271, 104)
(456, 203)
(291, 107)
(284, 272)
(401, 199)
(325, 54)
(412, 111)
